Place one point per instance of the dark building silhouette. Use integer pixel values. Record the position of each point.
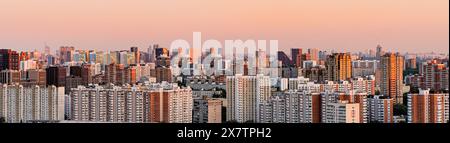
(9, 59)
(86, 74)
(296, 55)
(75, 71)
(72, 82)
(161, 52)
(56, 76)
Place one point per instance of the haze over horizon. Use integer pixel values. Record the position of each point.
(344, 25)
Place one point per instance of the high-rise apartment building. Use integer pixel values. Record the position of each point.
(171, 104)
(296, 56)
(9, 60)
(426, 107)
(351, 97)
(10, 76)
(435, 76)
(306, 57)
(391, 76)
(66, 54)
(363, 68)
(314, 53)
(342, 112)
(163, 71)
(292, 83)
(72, 82)
(366, 85)
(31, 104)
(56, 75)
(75, 71)
(27, 65)
(380, 52)
(380, 109)
(130, 75)
(273, 110)
(163, 74)
(87, 72)
(161, 52)
(339, 67)
(137, 55)
(317, 73)
(164, 103)
(244, 94)
(152, 53)
(261, 62)
(37, 76)
(411, 63)
(207, 110)
(109, 71)
(119, 74)
(293, 106)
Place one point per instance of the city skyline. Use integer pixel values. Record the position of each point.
(313, 87)
(213, 70)
(403, 26)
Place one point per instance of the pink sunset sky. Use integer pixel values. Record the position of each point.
(342, 25)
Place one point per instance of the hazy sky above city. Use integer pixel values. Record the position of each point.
(342, 25)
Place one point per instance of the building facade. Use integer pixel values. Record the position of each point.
(28, 104)
(363, 68)
(391, 78)
(207, 110)
(293, 106)
(426, 107)
(342, 112)
(162, 103)
(380, 109)
(244, 94)
(339, 67)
